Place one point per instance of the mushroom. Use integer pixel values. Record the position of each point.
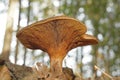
(56, 36)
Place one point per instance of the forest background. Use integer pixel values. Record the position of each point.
(102, 19)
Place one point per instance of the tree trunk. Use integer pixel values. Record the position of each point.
(8, 32)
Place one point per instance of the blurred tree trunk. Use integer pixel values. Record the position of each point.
(8, 32)
(17, 42)
(28, 19)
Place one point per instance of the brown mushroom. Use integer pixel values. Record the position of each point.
(56, 36)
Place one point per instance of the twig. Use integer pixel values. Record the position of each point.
(97, 68)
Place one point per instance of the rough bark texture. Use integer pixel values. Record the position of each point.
(9, 71)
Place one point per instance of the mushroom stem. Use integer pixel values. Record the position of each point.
(56, 68)
(56, 65)
(56, 58)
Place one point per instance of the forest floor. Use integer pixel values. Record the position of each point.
(9, 71)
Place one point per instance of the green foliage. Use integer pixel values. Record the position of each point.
(105, 18)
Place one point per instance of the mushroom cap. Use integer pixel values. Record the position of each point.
(56, 33)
